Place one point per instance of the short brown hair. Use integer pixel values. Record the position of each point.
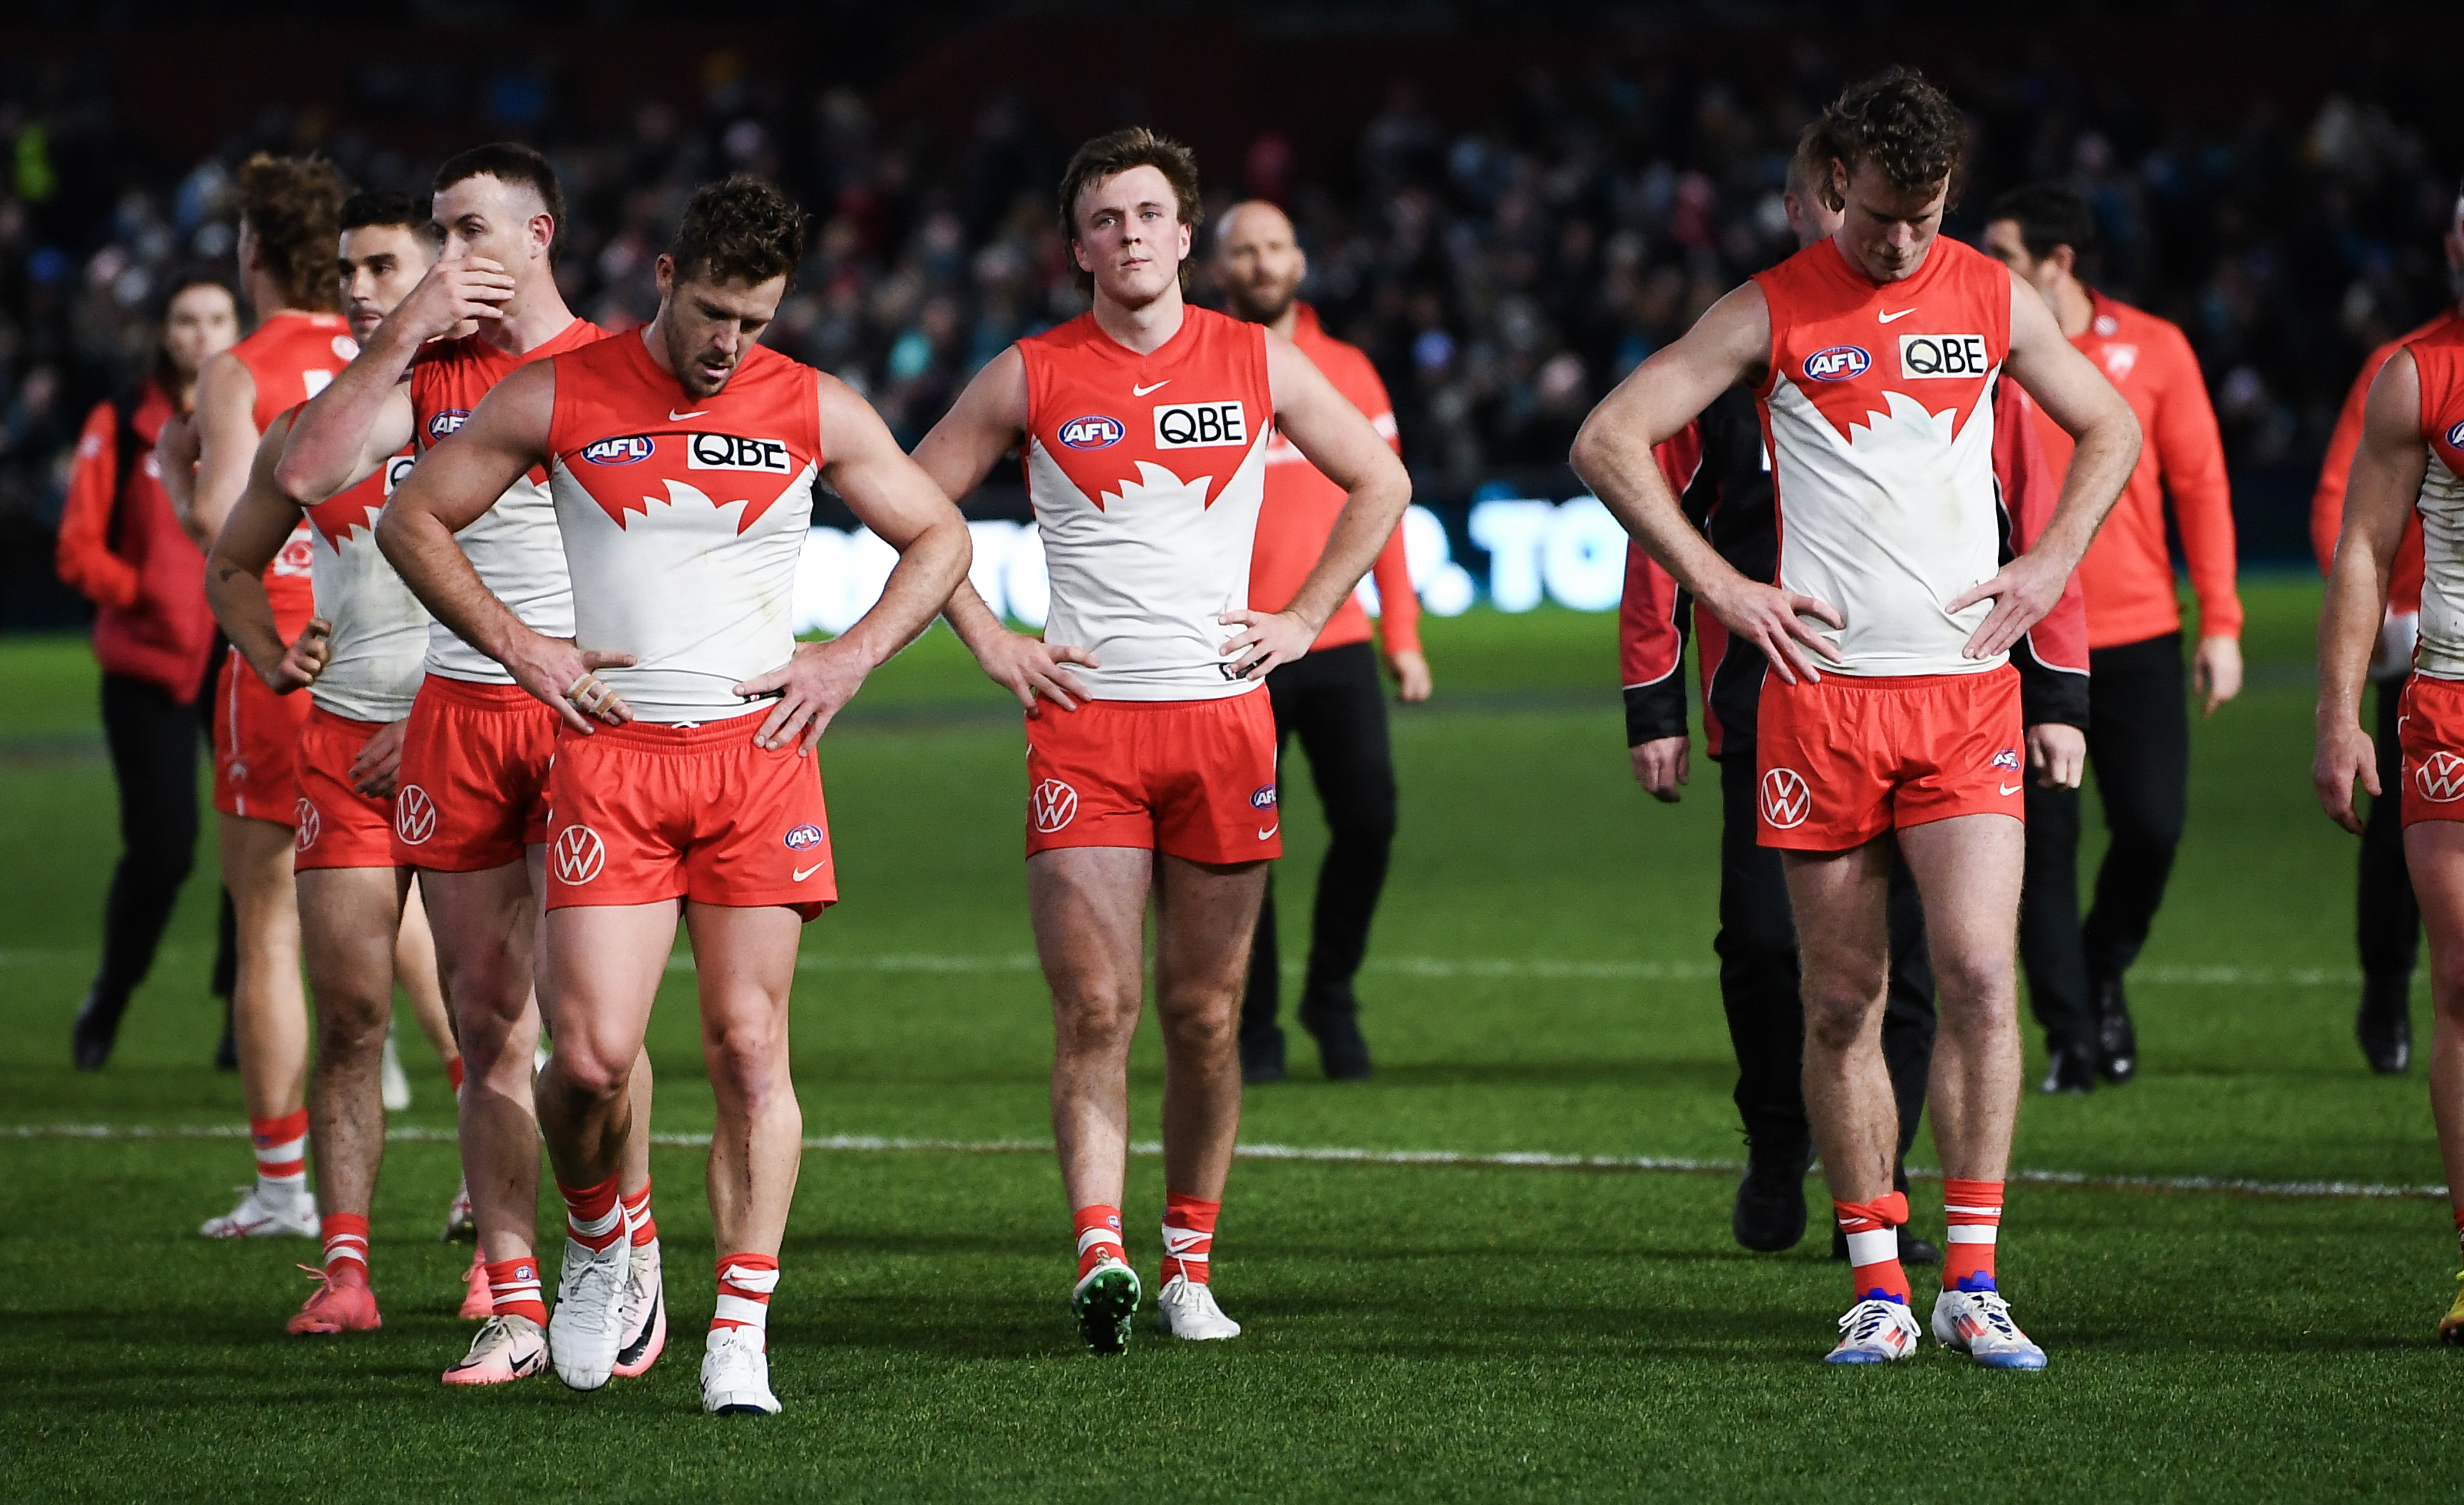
(293, 206)
(739, 229)
(1903, 125)
(514, 164)
(1116, 152)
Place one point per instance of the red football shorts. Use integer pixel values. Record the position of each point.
(472, 792)
(1844, 759)
(1194, 778)
(646, 812)
(256, 740)
(2430, 725)
(338, 825)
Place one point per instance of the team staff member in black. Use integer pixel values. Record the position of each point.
(1331, 699)
(1722, 478)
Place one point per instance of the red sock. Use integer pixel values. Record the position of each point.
(1974, 1211)
(746, 1282)
(1099, 1233)
(1874, 1246)
(593, 1217)
(514, 1286)
(347, 1241)
(1188, 1236)
(281, 1148)
(637, 1217)
(454, 1075)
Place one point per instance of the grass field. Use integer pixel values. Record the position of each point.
(1540, 982)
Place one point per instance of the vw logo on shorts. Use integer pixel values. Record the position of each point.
(1053, 805)
(2440, 778)
(304, 815)
(579, 854)
(1786, 799)
(414, 815)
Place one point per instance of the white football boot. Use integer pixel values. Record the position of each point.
(646, 1313)
(587, 1330)
(267, 1212)
(508, 1348)
(1875, 1332)
(1187, 1309)
(1978, 1323)
(736, 1374)
(460, 1222)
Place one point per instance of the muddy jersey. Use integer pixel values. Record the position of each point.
(1880, 415)
(292, 357)
(380, 642)
(513, 544)
(683, 519)
(2440, 359)
(1147, 473)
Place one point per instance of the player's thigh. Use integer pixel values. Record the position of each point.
(745, 960)
(608, 959)
(257, 868)
(1968, 870)
(1204, 915)
(2433, 853)
(348, 921)
(483, 922)
(1089, 906)
(1838, 900)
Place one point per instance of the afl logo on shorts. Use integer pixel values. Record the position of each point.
(2007, 758)
(446, 422)
(1262, 797)
(1095, 431)
(577, 854)
(414, 815)
(632, 448)
(803, 838)
(1786, 799)
(2456, 437)
(1052, 805)
(310, 828)
(2440, 778)
(1838, 364)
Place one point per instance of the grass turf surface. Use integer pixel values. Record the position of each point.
(1540, 980)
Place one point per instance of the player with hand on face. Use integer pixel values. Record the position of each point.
(1151, 761)
(682, 460)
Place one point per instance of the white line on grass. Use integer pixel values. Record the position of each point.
(1510, 1160)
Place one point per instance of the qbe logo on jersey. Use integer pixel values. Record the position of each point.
(1190, 426)
(1052, 805)
(577, 854)
(1925, 355)
(2440, 778)
(1785, 799)
(726, 451)
(397, 470)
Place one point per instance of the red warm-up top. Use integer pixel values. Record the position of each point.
(2335, 472)
(123, 549)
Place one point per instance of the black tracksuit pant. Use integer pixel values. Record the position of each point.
(2139, 748)
(1759, 983)
(1332, 701)
(2389, 928)
(153, 742)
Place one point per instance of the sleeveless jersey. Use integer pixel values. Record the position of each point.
(1147, 473)
(2440, 359)
(1880, 415)
(513, 545)
(682, 533)
(292, 357)
(379, 629)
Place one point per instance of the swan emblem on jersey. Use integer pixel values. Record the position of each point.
(1838, 364)
(682, 493)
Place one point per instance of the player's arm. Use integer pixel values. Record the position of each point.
(2190, 455)
(2076, 395)
(365, 414)
(1333, 436)
(894, 496)
(259, 522)
(83, 555)
(446, 492)
(2379, 498)
(980, 427)
(226, 440)
(1614, 456)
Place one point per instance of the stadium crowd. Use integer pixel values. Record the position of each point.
(1502, 273)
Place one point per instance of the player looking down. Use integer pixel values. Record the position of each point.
(1150, 763)
(682, 459)
(1894, 720)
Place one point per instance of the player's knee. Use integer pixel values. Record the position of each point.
(1839, 1013)
(587, 1070)
(1205, 1022)
(1966, 983)
(1091, 1011)
(2447, 988)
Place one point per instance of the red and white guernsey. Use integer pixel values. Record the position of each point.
(293, 356)
(1880, 418)
(682, 533)
(513, 545)
(2440, 359)
(1147, 473)
(379, 641)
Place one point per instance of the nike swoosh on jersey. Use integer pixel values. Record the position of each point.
(1886, 317)
(1135, 390)
(679, 418)
(806, 873)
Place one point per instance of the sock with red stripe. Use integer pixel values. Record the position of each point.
(454, 1075)
(1099, 1234)
(593, 1216)
(1873, 1230)
(637, 1217)
(514, 1287)
(1974, 1211)
(746, 1282)
(1188, 1236)
(346, 1244)
(281, 1147)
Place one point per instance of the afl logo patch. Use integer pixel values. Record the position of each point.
(446, 422)
(2007, 758)
(1052, 805)
(1785, 799)
(1262, 797)
(1095, 431)
(1838, 364)
(2456, 437)
(414, 815)
(803, 837)
(629, 449)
